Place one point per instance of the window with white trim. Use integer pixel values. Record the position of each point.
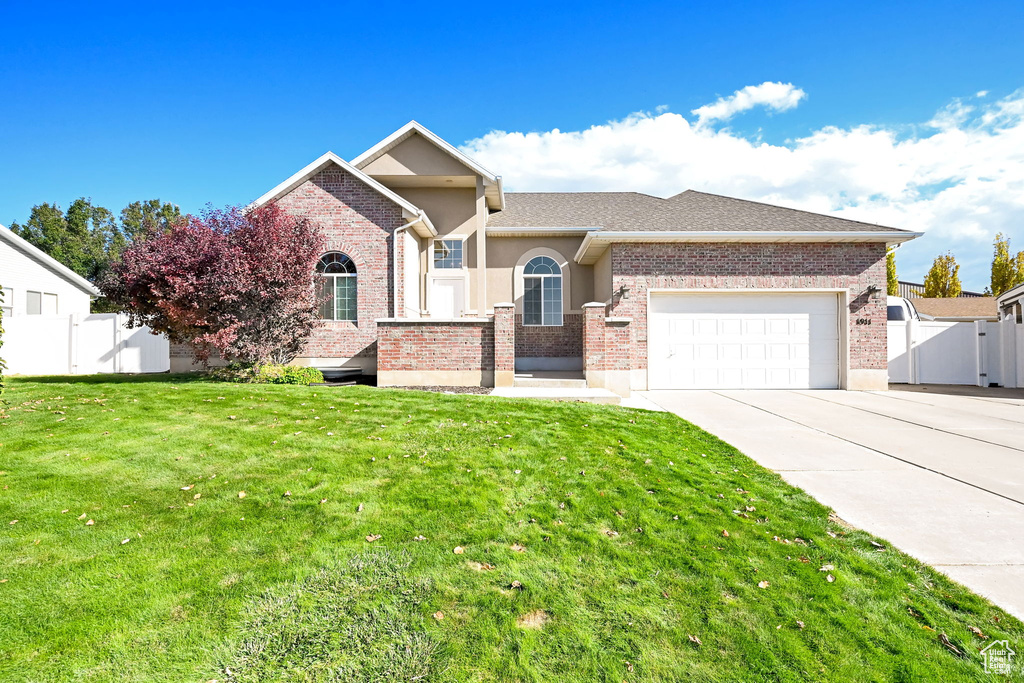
(448, 254)
(542, 292)
(337, 286)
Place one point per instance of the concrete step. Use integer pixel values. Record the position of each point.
(583, 395)
(550, 380)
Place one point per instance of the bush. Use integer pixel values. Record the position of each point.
(267, 373)
(287, 374)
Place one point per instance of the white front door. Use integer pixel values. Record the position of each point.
(747, 340)
(447, 297)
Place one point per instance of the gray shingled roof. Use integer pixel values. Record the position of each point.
(690, 210)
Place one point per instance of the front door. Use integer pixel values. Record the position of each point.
(448, 298)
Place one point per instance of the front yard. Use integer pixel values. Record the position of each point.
(167, 529)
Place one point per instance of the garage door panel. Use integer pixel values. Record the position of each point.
(749, 340)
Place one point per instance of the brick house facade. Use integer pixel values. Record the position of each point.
(360, 223)
(459, 282)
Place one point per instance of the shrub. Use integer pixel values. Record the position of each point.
(239, 283)
(287, 374)
(267, 373)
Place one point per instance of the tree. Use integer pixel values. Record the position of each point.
(892, 285)
(1007, 271)
(141, 218)
(76, 238)
(239, 282)
(943, 280)
(87, 238)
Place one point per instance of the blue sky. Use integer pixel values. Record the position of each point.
(217, 104)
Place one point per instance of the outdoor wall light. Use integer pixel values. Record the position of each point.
(623, 292)
(874, 292)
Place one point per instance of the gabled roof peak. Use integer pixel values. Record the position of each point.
(416, 128)
(318, 165)
(492, 183)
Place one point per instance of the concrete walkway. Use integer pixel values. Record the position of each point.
(939, 473)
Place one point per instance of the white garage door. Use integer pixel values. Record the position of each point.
(743, 341)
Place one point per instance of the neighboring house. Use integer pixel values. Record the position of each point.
(439, 277)
(35, 283)
(913, 290)
(957, 309)
(1011, 303)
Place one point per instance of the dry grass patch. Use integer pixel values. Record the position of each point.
(533, 620)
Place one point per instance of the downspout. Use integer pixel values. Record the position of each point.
(420, 218)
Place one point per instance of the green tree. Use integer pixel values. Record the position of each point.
(1007, 271)
(139, 218)
(88, 238)
(943, 280)
(892, 285)
(76, 238)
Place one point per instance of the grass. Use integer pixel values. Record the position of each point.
(592, 538)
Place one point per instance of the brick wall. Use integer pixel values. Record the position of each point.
(756, 266)
(605, 341)
(550, 341)
(360, 222)
(419, 345)
(504, 338)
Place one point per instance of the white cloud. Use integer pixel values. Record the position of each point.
(959, 177)
(776, 96)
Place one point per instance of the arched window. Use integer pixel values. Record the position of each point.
(542, 292)
(337, 286)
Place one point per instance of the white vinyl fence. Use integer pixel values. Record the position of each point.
(81, 345)
(975, 353)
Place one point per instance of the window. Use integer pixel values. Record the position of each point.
(542, 292)
(447, 253)
(338, 286)
(33, 303)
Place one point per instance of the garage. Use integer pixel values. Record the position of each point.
(744, 340)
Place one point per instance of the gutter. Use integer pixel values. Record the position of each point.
(743, 236)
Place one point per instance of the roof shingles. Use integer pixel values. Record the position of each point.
(687, 211)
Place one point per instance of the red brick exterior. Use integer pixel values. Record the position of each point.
(756, 266)
(550, 341)
(606, 343)
(505, 336)
(360, 222)
(421, 345)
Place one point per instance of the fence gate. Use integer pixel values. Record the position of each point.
(81, 345)
(974, 353)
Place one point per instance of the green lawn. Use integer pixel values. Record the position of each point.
(592, 537)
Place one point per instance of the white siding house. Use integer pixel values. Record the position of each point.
(36, 284)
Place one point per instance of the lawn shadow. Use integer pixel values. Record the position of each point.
(160, 378)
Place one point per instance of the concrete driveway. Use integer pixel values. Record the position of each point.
(938, 471)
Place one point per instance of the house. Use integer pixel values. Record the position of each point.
(34, 283)
(957, 309)
(440, 277)
(1011, 303)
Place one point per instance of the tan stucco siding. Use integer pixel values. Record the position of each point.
(503, 253)
(452, 211)
(416, 156)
